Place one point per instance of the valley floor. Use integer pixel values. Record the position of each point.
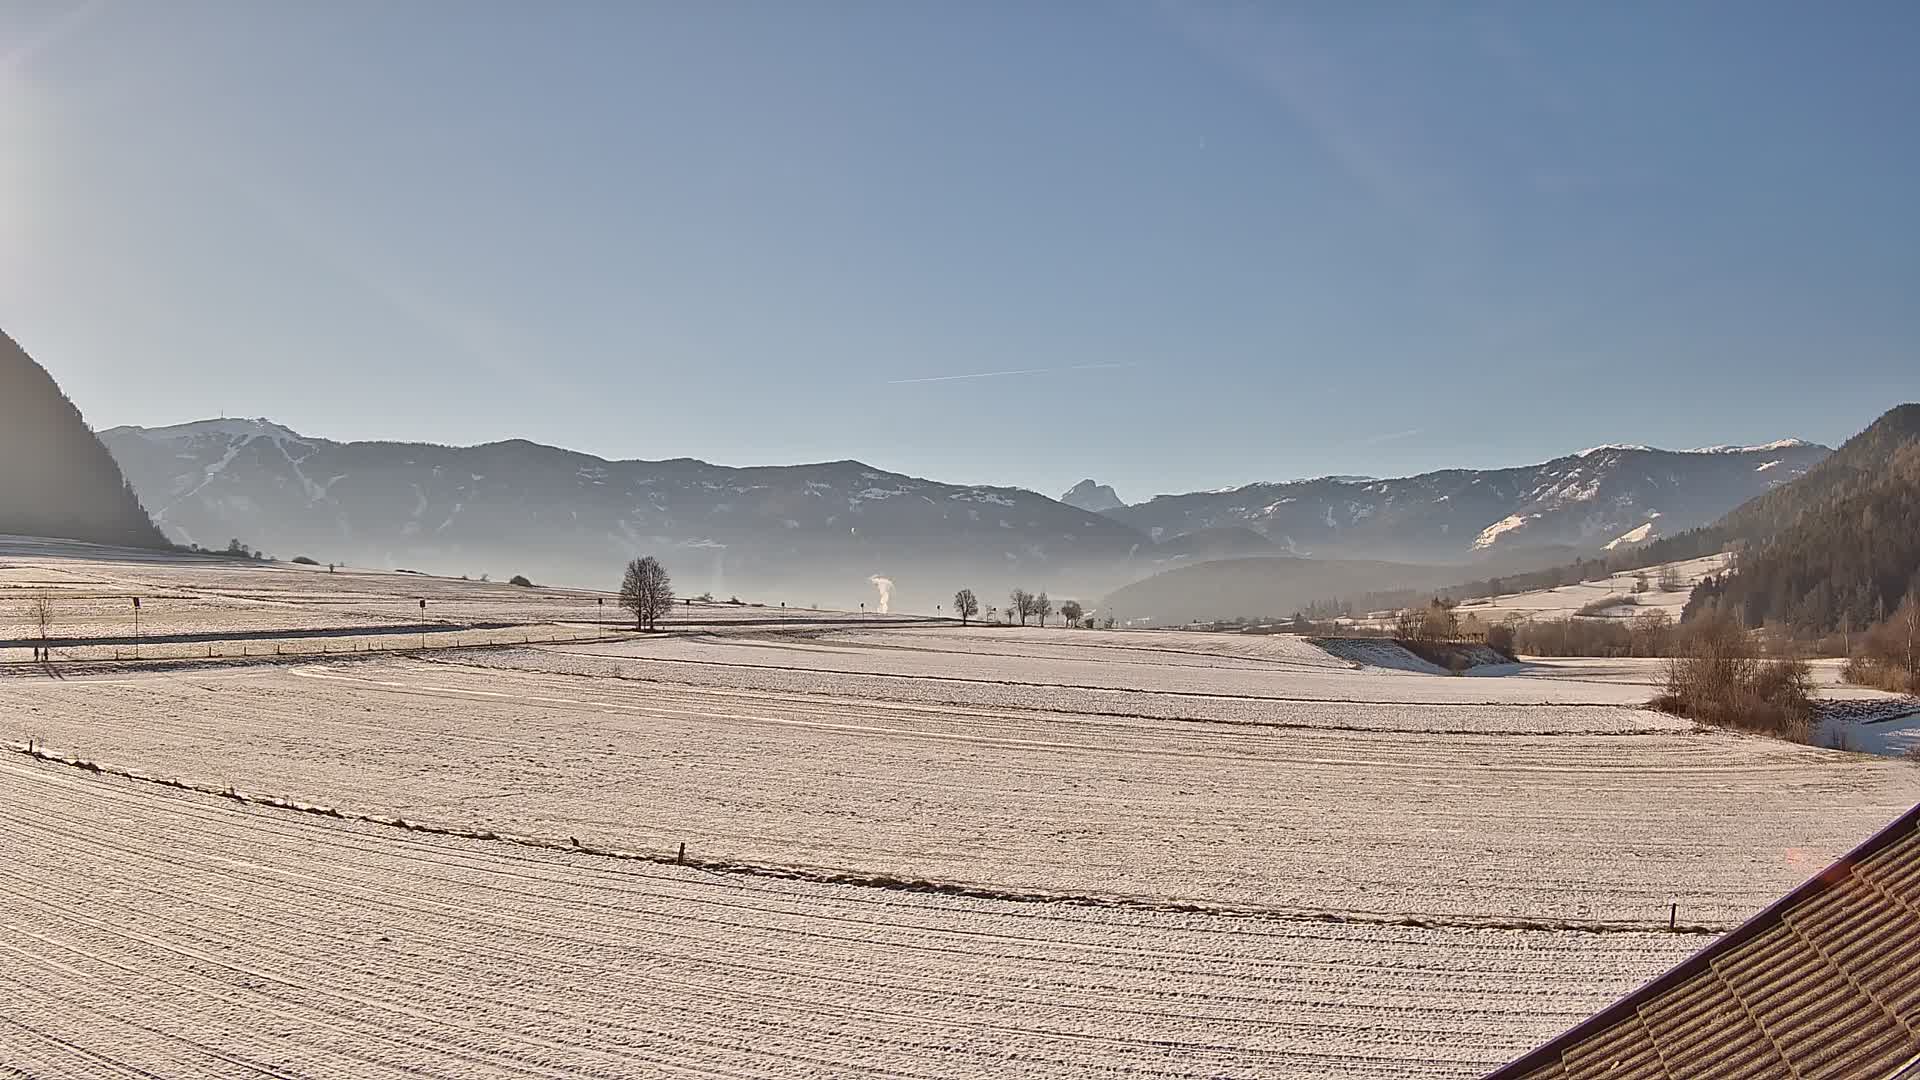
(915, 850)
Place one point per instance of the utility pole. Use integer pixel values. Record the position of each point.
(136, 628)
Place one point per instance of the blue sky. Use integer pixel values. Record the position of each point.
(1212, 243)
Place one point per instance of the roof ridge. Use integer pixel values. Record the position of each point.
(1706, 959)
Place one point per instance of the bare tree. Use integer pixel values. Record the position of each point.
(1071, 611)
(1042, 607)
(40, 614)
(646, 591)
(1020, 602)
(1651, 633)
(1410, 624)
(1669, 580)
(966, 605)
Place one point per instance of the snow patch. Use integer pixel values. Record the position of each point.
(982, 495)
(1632, 536)
(1505, 525)
(1777, 444)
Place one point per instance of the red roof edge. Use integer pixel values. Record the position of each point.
(1768, 917)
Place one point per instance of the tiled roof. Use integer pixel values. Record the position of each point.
(1823, 985)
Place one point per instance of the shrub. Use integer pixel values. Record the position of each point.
(1717, 678)
(1888, 655)
(520, 580)
(1866, 671)
(305, 561)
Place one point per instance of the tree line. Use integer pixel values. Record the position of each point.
(1021, 605)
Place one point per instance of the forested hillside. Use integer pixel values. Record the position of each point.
(55, 477)
(1837, 549)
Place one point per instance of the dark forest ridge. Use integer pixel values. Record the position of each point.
(55, 477)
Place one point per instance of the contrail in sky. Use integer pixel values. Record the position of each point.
(999, 374)
(1390, 437)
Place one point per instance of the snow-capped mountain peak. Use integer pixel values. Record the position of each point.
(230, 428)
(1725, 448)
(1584, 501)
(1777, 444)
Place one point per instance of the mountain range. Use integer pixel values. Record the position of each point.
(1605, 497)
(807, 533)
(802, 533)
(1835, 549)
(1825, 538)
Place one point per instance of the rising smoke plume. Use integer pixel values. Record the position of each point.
(885, 585)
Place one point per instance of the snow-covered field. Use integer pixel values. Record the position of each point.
(947, 851)
(240, 607)
(159, 933)
(1567, 600)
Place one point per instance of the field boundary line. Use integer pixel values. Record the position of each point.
(1114, 714)
(1203, 694)
(94, 664)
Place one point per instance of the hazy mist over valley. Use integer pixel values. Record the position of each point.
(1165, 539)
